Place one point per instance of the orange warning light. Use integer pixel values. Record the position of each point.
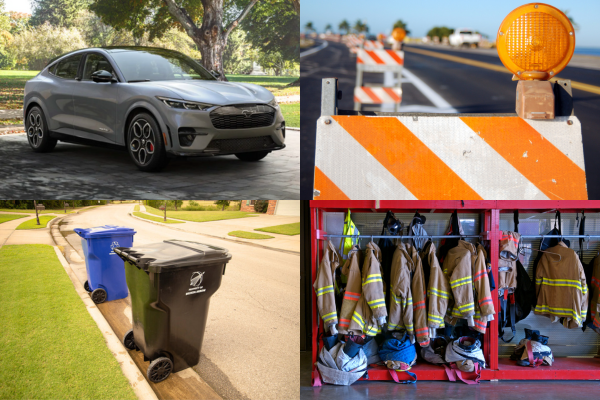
(398, 34)
(535, 41)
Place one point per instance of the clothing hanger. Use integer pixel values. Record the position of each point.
(545, 251)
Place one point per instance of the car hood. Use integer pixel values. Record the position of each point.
(216, 92)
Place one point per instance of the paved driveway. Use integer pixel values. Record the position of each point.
(85, 172)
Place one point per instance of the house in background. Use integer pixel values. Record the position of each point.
(276, 207)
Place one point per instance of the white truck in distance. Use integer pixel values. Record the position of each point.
(464, 37)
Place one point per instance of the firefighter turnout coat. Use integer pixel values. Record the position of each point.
(407, 301)
(560, 286)
(595, 294)
(324, 286)
(370, 312)
(351, 270)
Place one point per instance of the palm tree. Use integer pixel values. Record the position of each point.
(401, 24)
(575, 24)
(360, 27)
(328, 27)
(344, 26)
(308, 28)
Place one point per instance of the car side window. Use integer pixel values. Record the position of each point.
(93, 63)
(67, 68)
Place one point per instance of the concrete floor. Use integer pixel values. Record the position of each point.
(514, 390)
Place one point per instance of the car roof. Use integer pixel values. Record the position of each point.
(116, 49)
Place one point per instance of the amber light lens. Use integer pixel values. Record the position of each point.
(535, 41)
(398, 34)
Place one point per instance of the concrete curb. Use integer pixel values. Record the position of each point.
(136, 379)
(296, 253)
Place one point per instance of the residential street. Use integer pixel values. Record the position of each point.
(86, 172)
(250, 348)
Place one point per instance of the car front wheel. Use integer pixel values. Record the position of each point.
(145, 144)
(38, 135)
(252, 156)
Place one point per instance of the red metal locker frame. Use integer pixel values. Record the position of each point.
(499, 368)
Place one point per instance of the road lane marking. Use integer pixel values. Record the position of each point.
(574, 84)
(314, 49)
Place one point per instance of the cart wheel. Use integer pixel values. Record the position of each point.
(159, 369)
(99, 296)
(128, 341)
(86, 286)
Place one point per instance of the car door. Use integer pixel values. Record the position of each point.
(96, 102)
(59, 103)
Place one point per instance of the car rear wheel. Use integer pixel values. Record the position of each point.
(145, 143)
(252, 156)
(38, 135)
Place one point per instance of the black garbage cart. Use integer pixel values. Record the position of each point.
(171, 283)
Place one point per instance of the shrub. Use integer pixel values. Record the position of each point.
(261, 206)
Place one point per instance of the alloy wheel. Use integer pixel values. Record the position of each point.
(142, 141)
(35, 131)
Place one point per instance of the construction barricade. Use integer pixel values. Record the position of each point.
(447, 156)
(381, 60)
(482, 222)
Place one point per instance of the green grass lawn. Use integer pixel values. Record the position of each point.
(61, 211)
(200, 216)
(285, 229)
(9, 217)
(157, 219)
(291, 113)
(249, 235)
(12, 86)
(32, 223)
(136, 208)
(50, 347)
(276, 84)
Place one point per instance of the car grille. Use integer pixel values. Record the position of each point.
(241, 145)
(243, 116)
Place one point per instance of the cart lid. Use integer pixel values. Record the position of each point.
(104, 231)
(173, 254)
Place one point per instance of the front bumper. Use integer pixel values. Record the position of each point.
(210, 141)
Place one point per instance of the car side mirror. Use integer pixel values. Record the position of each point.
(102, 76)
(215, 73)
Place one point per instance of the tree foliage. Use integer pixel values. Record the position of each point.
(36, 46)
(49, 204)
(344, 26)
(223, 204)
(6, 38)
(261, 206)
(403, 25)
(238, 55)
(360, 27)
(440, 31)
(274, 27)
(59, 13)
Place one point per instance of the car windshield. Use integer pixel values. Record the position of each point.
(158, 65)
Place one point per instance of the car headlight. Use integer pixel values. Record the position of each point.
(273, 102)
(184, 105)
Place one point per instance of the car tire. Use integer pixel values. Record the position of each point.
(145, 143)
(252, 156)
(38, 134)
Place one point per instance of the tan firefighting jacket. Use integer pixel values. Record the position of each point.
(484, 305)
(595, 295)
(439, 292)
(370, 312)
(324, 286)
(407, 301)
(507, 264)
(351, 270)
(458, 269)
(561, 288)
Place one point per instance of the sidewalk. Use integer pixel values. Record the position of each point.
(9, 234)
(221, 229)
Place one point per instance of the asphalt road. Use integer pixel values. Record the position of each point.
(86, 172)
(468, 89)
(251, 342)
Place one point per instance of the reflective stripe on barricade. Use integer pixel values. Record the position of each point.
(372, 45)
(448, 157)
(377, 95)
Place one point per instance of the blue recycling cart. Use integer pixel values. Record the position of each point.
(105, 270)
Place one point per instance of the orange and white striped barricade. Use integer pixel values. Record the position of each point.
(393, 156)
(353, 42)
(380, 60)
(372, 45)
